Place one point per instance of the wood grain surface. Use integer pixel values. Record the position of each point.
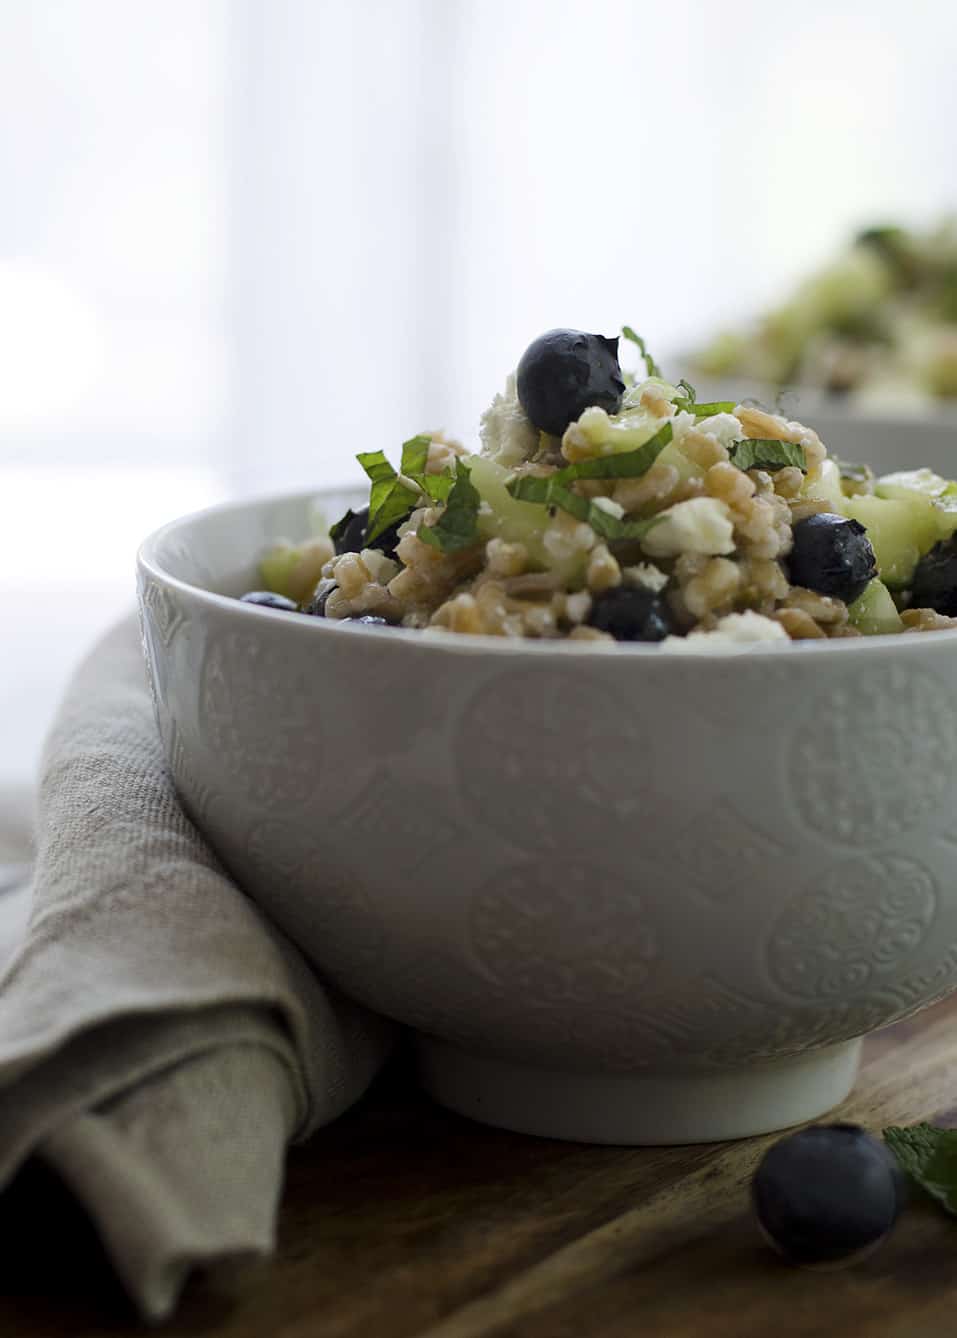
(404, 1221)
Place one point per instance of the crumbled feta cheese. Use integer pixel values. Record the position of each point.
(566, 538)
(608, 505)
(724, 427)
(699, 525)
(646, 575)
(508, 437)
(736, 631)
(750, 626)
(578, 606)
(381, 569)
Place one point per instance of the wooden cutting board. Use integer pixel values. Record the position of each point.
(403, 1221)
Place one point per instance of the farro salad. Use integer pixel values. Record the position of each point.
(607, 505)
(878, 321)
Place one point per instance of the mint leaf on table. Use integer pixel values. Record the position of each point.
(929, 1156)
(456, 528)
(768, 453)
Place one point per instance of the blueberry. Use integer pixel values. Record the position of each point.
(826, 1193)
(352, 536)
(630, 613)
(935, 580)
(270, 601)
(833, 556)
(564, 372)
(317, 605)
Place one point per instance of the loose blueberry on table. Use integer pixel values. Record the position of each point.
(827, 1194)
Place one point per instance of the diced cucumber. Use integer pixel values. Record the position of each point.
(277, 566)
(827, 487)
(901, 531)
(925, 484)
(875, 612)
(606, 435)
(505, 517)
(687, 469)
(294, 571)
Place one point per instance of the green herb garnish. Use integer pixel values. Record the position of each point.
(768, 453)
(390, 500)
(415, 455)
(651, 366)
(853, 473)
(715, 406)
(336, 531)
(929, 1156)
(554, 493)
(688, 403)
(555, 489)
(624, 465)
(456, 527)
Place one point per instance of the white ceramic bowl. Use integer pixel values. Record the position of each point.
(621, 895)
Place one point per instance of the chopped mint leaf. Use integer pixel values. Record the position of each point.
(390, 500)
(714, 407)
(556, 493)
(853, 473)
(929, 1156)
(685, 403)
(337, 530)
(438, 486)
(455, 528)
(555, 489)
(856, 480)
(415, 455)
(767, 453)
(650, 364)
(624, 465)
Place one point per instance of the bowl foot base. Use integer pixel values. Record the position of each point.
(643, 1108)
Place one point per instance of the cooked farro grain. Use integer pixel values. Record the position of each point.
(927, 620)
(602, 571)
(822, 608)
(800, 626)
(629, 504)
(504, 559)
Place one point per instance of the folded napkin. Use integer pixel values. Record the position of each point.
(160, 1041)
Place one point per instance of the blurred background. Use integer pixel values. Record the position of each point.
(242, 239)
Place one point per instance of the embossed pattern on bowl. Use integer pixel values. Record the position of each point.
(608, 863)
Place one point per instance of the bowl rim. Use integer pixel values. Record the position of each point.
(148, 562)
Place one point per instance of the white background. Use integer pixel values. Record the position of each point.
(242, 239)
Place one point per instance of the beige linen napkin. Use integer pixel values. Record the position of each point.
(160, 1041)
